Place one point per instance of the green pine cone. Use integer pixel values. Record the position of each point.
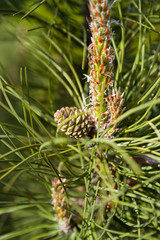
(77, 127)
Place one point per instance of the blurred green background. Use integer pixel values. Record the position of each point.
(68, 15)
(58, 19)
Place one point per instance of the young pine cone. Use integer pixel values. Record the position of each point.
(77, 127)
(60, 205)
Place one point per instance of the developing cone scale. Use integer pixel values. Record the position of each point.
(79, 126)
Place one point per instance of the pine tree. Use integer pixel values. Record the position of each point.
(90, 171)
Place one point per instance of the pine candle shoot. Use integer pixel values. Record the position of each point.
(106, 102)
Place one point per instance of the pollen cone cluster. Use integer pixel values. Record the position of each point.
(104, 100)
(60, 205)
(79, 124)
(115, 109)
